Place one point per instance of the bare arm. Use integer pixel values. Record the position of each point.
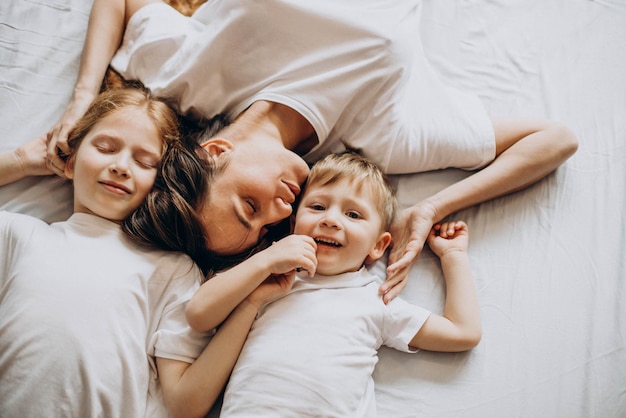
(526, 152)
(190, 390)
(105, 30)
(218, 296)
(27, 160)
(459, 328)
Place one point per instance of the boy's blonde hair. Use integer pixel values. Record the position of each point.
(361, 172)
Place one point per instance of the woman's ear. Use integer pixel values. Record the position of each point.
(217, 147)
(379, 248)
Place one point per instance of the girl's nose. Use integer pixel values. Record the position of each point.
(120, 165)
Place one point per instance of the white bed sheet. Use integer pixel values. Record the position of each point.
(549, 261)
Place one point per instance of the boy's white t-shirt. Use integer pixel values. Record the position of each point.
(83, 314)
(312, 353)
(354, 69)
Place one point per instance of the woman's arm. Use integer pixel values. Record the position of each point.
(217, 297)
(459, 328)
(27, 160)
(105, 30)
(190, 390)
(525, 153)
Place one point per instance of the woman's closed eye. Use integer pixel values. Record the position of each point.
(252, 205)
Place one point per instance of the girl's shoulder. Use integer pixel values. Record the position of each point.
(18, 221)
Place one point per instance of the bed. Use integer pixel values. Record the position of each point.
(549, 261)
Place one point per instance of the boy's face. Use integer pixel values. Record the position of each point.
(345, 224)
(114, 167)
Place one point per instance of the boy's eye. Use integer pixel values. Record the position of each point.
(317, 207)
(353, 215)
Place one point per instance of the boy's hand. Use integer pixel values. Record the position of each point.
(291, 253)
(448, 236)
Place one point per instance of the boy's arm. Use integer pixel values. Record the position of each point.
(27, 160)
(218, 296)
(459, 328)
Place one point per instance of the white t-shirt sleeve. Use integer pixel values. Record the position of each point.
(14, 229)
(402, 321)
(174, 339)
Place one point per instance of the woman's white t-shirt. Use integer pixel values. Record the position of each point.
(354, 69)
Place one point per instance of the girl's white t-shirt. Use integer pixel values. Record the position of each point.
(83, 315)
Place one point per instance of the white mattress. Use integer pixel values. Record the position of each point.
(549, 261)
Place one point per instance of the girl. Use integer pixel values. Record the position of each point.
(92, 324)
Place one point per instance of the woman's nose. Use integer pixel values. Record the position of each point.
(277, 213)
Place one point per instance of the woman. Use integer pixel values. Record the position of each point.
(304, 79)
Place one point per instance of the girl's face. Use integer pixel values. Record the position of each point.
(345, 224)
(114, 167)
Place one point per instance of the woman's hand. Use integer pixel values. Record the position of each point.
(409, 232)
(57, 136)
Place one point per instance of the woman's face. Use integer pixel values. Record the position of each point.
(256, 190)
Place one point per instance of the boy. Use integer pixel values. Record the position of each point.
(312, 352)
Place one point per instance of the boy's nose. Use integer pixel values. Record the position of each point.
(330, 219)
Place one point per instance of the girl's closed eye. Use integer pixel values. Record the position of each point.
(317, 207)
(147, 162)
(105, 146)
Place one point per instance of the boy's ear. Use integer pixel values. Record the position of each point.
(379, 248)
(217, 147)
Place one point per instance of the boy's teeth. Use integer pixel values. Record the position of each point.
(328, 242)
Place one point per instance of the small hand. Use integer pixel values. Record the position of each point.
(32, 157)
(58, 134)
(274, 287)
(294, 252)
(448, 237)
